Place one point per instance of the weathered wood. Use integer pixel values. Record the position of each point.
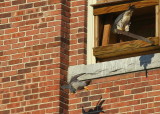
(96, 31)
(126, 49)
(159, 21)
(106, 32)
(156, 20)
(149, 51)
(122, 7)
(102, 2)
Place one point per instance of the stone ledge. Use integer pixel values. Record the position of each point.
(115, 67)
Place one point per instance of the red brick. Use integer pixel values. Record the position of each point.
(126, 98)
(139, 90)
(117, 94)
(17, 110)
(32, 32)
(12, 8)
(51, 110)
(153, 93)
(157, 109)
(125, 109)
(16, 35)
(38, 4)
(4, 15)
(29, 97)
(112, 100)
(25, 38)
(46, 94)
(4, 58)
(75, 101)
(13, 105)
(142, 95)
(10, 73)
(51, 88)
(39, 112)
(18, 24)
(5, 112)
(112, 111)
(34, 21)
(29, 108)
(146, 100)
(16, 2)
(38, 47)
(16, 56)
(156, 104)
(98, 91)
(25, 28)
(17, 66)
(86, 104)
(25, 6)
(9, 84)
(6, 79)
(22, 71)
(46, 62)
(5, 101)
(95, 97)
(11, 30)
(10, 41)
(139, 107)
(31, 64)
(148, 111)
(15, 61)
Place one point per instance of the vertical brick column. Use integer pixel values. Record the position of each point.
(78, 32)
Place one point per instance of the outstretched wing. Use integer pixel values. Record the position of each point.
(74, 78)
(65, 87)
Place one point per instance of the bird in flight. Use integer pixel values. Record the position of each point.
(76, 84)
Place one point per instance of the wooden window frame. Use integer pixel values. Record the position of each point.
(126, 49)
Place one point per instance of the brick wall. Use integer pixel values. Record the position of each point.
(34, 49)
(132, 93)
(39, 39)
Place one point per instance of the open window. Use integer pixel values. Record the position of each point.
(144, 22)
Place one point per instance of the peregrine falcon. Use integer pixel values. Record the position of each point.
(122, 22)
(76, 84)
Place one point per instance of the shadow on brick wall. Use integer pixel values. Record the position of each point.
(145, 60)
(97, 110)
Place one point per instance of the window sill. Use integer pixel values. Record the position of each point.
(126, 49)
(116, 67)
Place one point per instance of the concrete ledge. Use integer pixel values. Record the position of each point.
(115, 67)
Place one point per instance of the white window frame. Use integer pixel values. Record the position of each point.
(90, 33)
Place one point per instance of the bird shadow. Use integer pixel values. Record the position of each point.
(145, 60)
(96, 110)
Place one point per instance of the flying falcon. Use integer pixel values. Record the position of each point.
(76, 84)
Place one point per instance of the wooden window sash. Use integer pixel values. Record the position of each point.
(121, 7)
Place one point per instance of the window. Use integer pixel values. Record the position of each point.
(144, 22)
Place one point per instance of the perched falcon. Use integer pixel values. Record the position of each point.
(122, 22)
(76, 84)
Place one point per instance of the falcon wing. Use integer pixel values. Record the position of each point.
(74, 78)
(116, 21)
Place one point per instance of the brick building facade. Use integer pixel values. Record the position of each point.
(39, 40)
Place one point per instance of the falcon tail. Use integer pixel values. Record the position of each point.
(65, 87)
